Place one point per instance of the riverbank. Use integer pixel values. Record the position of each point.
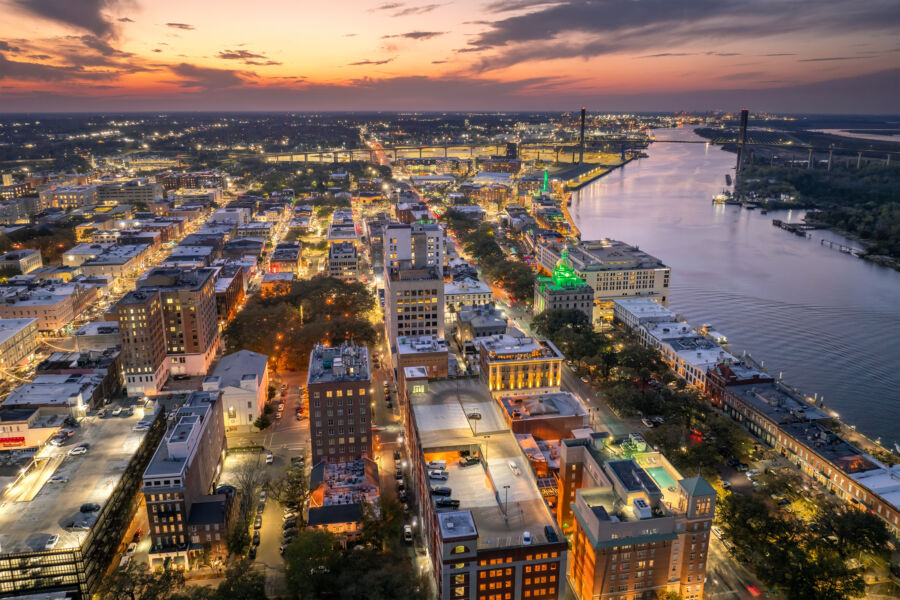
(591, 178)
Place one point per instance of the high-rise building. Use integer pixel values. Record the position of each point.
(419, 244)
(188, 297)
(614, 269)
(638, 528)
(133, 191)
(563, 290)
(338, 384)
(343, 261)
(179, 479)
(143, 338)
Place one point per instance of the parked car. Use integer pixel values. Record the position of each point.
(131, 549)
(51, 542)
(77, 451)
(257, 522)
(117, 411)
(647, 422)
(58, 479)
(260, 508)
(270, 458)
(90, 507)
(262, 496)
(407, 534)
(446, 503)
(256, 538)
(468, 461)
(438, 474)
(550, 532)
(101, 413)
(289, 522)
(526, 537)
(396, 455)
(436, 464)
(141, 427)
(726, 485)
(251, 554)
(475, 416)
(514, 468)
(138, 534)
(441, 491)
(585, 380)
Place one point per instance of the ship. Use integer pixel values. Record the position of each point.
(728, 179)
(723, 197)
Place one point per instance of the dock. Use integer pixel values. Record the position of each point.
(795, 228)
(842, 248)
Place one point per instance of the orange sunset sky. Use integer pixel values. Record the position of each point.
(777, 55)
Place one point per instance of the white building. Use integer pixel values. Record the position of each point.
(243, 379)
(465, 293)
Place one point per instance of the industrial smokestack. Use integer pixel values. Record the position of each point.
(581, 139)
(742, 142)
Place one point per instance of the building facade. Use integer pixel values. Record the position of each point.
(339, 387)
(243, 379)
(519, 364)
(343, 261)
(563, 290)
(18, 340)
(142, 333)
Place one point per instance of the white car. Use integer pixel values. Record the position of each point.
(269, 458)
(131, 548)
(526, 537)
(117, 411)
(514, 468)
(437, 474)
(77, 451)
(407, 534)
(141, 427)
(58, 479)
(51, 542)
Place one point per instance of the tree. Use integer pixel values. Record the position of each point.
(242, 582)
(262, 422)
(135, 581)
(668, 595)
(550, 323)
(309, 561)
(292, 490)
(851, 531)
(382, 525)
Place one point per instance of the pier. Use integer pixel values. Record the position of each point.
(795, 228)
(842, 248)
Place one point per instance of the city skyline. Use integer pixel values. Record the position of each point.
(110, 55)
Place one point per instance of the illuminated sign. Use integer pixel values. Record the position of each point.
(12, 441)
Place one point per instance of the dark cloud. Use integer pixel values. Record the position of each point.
(157, 50)
(126, 20)
(28, 71)
(40, 56)
(371, 62)
(438, 62)
(184, 26)
(89, 15)
(416, 35)
(239, 55)
(416, 10)
(262, 63)
(781, 54)
(739, 76)
(469, 49)
(541, 30)
(7, 47)
(351, 34)
(102, 47)
(830, 59)
(723, 53)
(208, 78)
(667, 54)
(388, 6)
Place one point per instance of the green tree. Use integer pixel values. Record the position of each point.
(382, 524)
(292, 490)
(309, 562)
(849, 531)
(135, 581)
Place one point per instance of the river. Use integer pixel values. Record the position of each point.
(829, 322)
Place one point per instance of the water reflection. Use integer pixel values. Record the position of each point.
(829, 321)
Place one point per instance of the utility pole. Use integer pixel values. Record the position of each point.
(506, 500)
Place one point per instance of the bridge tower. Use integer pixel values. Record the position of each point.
(581, 139)
(742, 142)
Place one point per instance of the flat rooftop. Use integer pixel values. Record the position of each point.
(11, 327)
(421, 344)
(777, 403)
(329, 364)
(117, 255)
(35, 509)
(645, 308)
(542, 406)
(503, 347)
(444, 430)
(606, 254)
(847, 457)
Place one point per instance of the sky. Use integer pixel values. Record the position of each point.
(812, 56)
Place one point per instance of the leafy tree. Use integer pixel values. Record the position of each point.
(309, 563)
(135, 581)
(262, 422)
(292, 490)
(384, 526)
(851, 531)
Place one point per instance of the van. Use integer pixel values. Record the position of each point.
(437, 474)
(436, 464)
(441, 491)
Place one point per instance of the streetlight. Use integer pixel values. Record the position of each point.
(505, 500)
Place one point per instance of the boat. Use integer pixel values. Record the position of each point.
(724, 197)
(728, 179)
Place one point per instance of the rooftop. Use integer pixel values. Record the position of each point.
(848, 458)
(777, 402)
(646, 308)
(11, 327)
(506, 347)
(181, 441)
(467, 286)
(35, 509)
(55, 389)
(600, 255)
(420, 344)
(347, 362)
(233, 368)
(542, 406)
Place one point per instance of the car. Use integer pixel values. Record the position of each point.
(299, 416)
(752, 472)
(446, 503)
(726, 485)
(441, 491)
(289, 522)
(396, 455)
(77, 451)
(514, 468)
(784, 502)
(101, 413)
(754, 591)
(90, 507)
(289, 534)
(407, 534)
(526, 537)
(270, 458)
(260, 508)
(295, 460)
(138, 534)
(77, 526)
(67, 432)
(58, 479)
(129, 551)
(573, 369)
(468, 461)
(51, 542)
(438, 474)
(257, 522)
(398, 475)
(279, 414)
(181, 377)
(647, 422)
(117, 411)
(717, 531)
(256, 538)
(550, 532)
(475, 416)
(585, 379)
(251, 553)
(402, 496)
(141, 427)
(743, 467)
(283, 547)
(262, 496)
(436, 464)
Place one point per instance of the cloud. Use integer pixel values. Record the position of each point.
(89, 15)
(126, 20)
(831, 58)
(438, 62)
(262, 63)
(7, 47)
(351, 34)
(40, 56)
(184, 26)
(740, 76)
(28, 71)
(371, 62)
(239, 55)
(416, 10)
(533, 30)
(156, 50)
(416, 35)
(102, 47)
(781, 54)
(667, 54)
(208, 78)
(388, 6)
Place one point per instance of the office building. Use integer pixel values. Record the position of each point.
(338, 385)
(638, 527)
(18, 340)
(21, 261)
(142, 332)
(343, 261)
(243, 379)
(465, 293)
(614, 269)
(68, 197)
(419, 245)
(180, 478)
(117, 261)
(196, 180)
(188, 298)
(54, 305)
(563, 290)
(97, 335)
(490, 533)
(523, 365)
(132, 191)
(11, 190)
(478, 322)
(285, 258)
(426, 351)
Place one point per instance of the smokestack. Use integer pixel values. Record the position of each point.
(742, 142)
(581, 139)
